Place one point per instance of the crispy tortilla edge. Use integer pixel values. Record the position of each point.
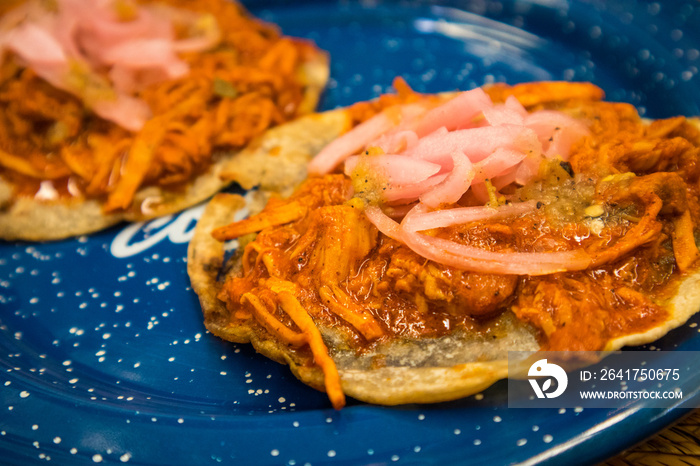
(205, 261)
(684, 303)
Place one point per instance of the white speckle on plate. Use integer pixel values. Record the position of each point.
(457, 431)
(394, 457)
(57, 440)
(547, 438)
(521, 442)
(497, 419)
(275, 452)
(421, 417)
(23, 394)
(97, 458)
(331, 453)
(125, 457)
(477, 442)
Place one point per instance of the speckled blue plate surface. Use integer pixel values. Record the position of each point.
(103, 355)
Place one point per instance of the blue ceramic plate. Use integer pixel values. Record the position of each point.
(103, 353)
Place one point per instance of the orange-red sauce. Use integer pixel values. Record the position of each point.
(335, 261)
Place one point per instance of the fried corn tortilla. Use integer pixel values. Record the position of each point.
(349, 301)
(103, 132)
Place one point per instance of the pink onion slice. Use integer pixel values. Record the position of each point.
(419, 219)
(475, 259)
(457, 112)
(392, 143)
(411, 192)
(396, 169)
(556, 131)
(437, 157)
(452, 188)
(35, 44)
(383, 223)
(126, 111)
(504, 180)
(477, 143)
(357, 138)
(498, 163)
(71, 46)
(527, 169)
(501, 115)
(513, 104)
(506, 263)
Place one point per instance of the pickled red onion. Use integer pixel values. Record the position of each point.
(475, 259)
(69, 48)
(435, 157)
(458, 112)
(453, 187)
(395, 168)
(410, 192)
(507, 263)
(501, 161)
(359, 137)
(556, 131)
(420, 219)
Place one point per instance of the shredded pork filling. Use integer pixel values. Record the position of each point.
(126, 94)
(626, 201)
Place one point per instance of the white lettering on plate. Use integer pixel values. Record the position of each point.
(179, 230)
